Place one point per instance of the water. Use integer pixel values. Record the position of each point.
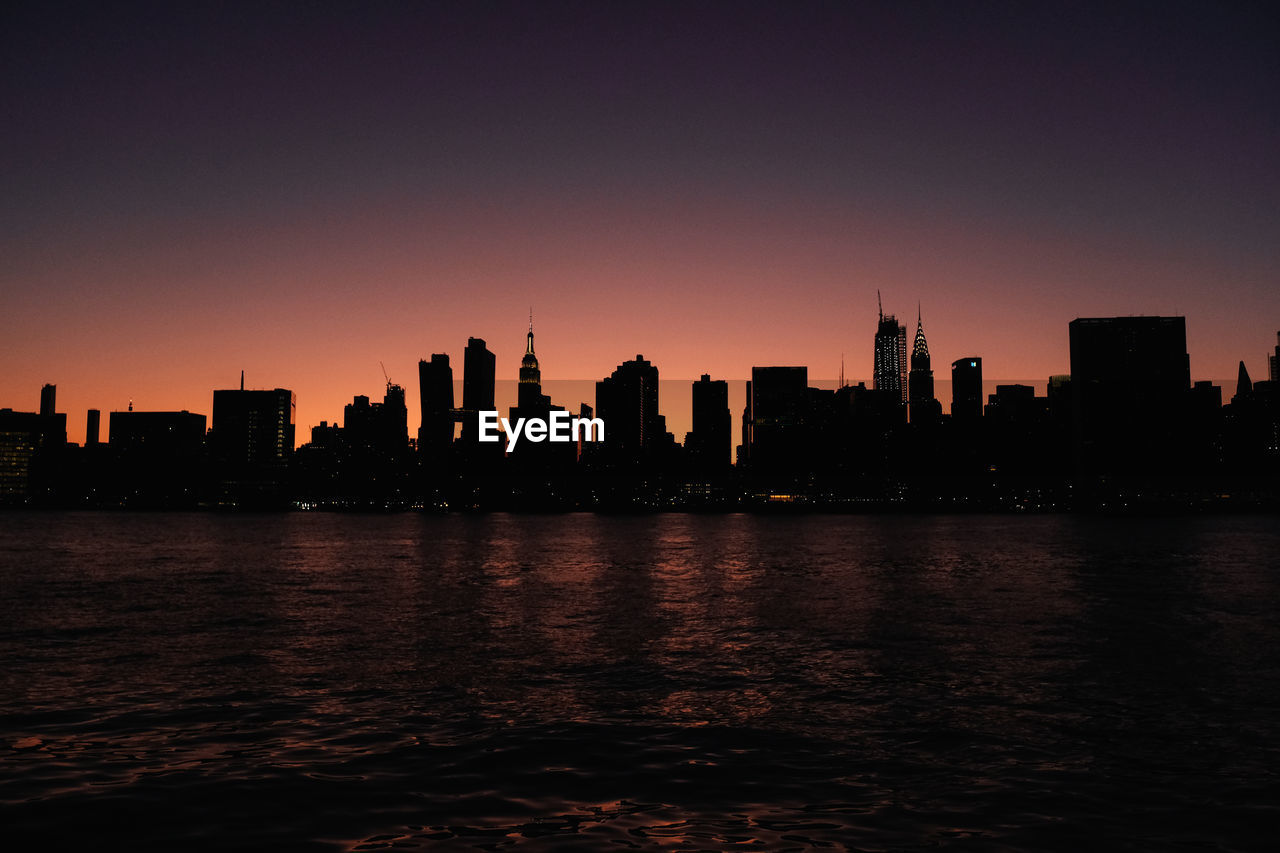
(582, 682)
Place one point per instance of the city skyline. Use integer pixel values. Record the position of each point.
(573, 391)
(1128, 409)
(302, 194)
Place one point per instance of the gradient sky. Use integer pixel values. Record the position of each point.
(302, 193)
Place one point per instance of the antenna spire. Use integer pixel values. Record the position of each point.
(879, 304)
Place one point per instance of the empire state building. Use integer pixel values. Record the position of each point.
(529, 395)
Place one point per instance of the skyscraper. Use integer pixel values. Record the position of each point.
(92, 427)
(30, 444)
(158, 457)
(253, 427)
(379, 429)
(395, 418)
(25, 442)
(779, 417)
(889, 368)
(711, 436)
(529, 392)
(1274, 372)
(627, 401)
(250, 443)
(435, 390)
(966, 389)
(1130, 379)
(921, 402)
(53, 427)
(536, 457)
(478, 371)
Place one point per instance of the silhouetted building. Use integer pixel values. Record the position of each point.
(923, 406)
(32, 449)
(779, 418)
(365, 463)
(1130, 379)
(1204, 428)
(1058, 395)
(52, 426)
(177, 433)
(585, 448)
(395, 417)
(379, 428)
(1274, 360)
(966, 389)
(710, 440)
(871, 425)
(253, 427)
(889, 368)
(357, 421)
(1018, 433)
(543, 456)
(627, 402)
(92, 427)
(478, 372)
(1013, 402)
(326, 435)
(529, 393)
(1251, 428)
(1207, 396)
(251, 443)
(435, 387)
(1058, 399)
(159, 457)
(1244, 385)
(478, 376)
(20, 440)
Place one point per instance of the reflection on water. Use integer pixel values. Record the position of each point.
(661, 682)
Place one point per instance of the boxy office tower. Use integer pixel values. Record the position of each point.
(250, 445)
(1130, 379)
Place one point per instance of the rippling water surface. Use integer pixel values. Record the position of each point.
(583, 682)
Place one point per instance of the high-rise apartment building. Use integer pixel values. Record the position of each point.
(889, 367)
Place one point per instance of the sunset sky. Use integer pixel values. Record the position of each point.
(304, 193)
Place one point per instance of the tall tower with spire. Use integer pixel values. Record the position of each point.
(534, 456)
(889, 369)
(921, 403)
(530, 391)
